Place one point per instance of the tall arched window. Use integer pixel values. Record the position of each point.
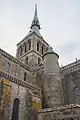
(25, 47)
(21, 50)
(15, 112)
(38, 46)
(29, 45)
(42, 50)
(26, 60)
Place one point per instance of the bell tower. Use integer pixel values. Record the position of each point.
(31, 49)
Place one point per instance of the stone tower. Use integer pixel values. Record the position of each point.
(31, 49)
(52, 81)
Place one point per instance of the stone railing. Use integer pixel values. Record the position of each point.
(34, 88)
(71, 67)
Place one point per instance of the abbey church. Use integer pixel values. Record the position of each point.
(33, 86)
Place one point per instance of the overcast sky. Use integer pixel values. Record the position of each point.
(59, 19)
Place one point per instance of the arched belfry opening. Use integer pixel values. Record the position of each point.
(15, 111)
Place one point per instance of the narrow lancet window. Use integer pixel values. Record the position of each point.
(39, 60)
(29, 45)
(25, 76)
(42, 50)
(38, 46)
(25, 47)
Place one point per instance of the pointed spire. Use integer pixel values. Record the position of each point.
(35, 14)
(35, 23)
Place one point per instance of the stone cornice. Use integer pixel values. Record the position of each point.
(29, 53)
(34, 88)
(7, 55)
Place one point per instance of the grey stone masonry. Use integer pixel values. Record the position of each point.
(67, 112)
(52, 87)
(18, 89)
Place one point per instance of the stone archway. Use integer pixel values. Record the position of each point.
(15, 112)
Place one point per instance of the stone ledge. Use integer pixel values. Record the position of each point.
(59, 108)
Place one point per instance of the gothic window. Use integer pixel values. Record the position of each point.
(25, 47)
(29, 45)
(42, 49)
(21, 50)
(25, 76)
(7, 67)
(38, 46)
(15, 112)
(39, 60)
(26, 60)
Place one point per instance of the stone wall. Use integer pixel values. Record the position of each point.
(14, 88)
(71, 87)
(14, 67)
(70, 112)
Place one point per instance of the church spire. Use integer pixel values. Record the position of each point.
(35, 23)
